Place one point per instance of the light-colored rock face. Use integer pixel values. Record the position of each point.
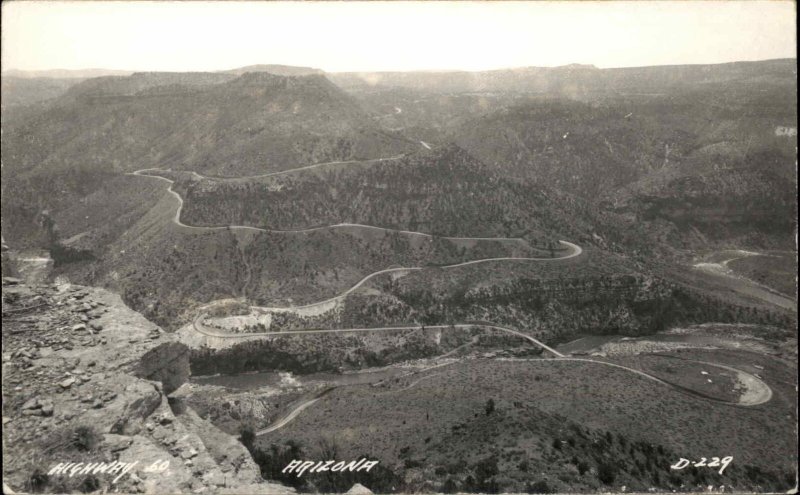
(359, 489)
(82, 382)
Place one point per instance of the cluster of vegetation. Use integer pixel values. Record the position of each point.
(508, 447)
(542, 424)
(557, 308)
(561, 308)
(244, 139)
(165, 271)
(445, 193)
(327, 352)
(656, 160)
(775, 270)
(81, 444)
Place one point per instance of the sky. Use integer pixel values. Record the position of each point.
(394, 36)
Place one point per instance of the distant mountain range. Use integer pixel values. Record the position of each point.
(570, 80)
(65, 73)
(574, 80)
(221, 123)
(278, 70)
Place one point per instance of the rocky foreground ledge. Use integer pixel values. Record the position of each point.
(85, 397)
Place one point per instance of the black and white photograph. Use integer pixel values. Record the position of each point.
(404, 247)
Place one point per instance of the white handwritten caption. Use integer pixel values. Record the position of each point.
(715, 462)
(300, 467)
(71, 469)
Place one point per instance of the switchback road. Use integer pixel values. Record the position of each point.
(177, 217)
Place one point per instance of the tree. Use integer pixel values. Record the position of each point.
(90, 484)
(606, 473)
(38, 481)
(540, 486)
(450, 486)
(485, 470)
(247, 436)
(489, 406)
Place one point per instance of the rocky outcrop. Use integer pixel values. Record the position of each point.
(86, 381)
(168, 363)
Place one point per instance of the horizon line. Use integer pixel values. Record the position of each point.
(443, 70)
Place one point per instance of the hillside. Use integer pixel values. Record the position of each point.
(278, 70)
(550, 427)
(85, 379)
(214, 122)
(60, 155)
(445, 192)
(713, 166)
(574, 81)
(690, 156)
(530, 280)
(18, 91)
(164, 269)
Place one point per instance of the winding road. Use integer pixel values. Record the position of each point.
(745, 285)
(757, 392)
(292, 170)
(177, 217)
(575, 251)
(283, 421)
(760, 395)
(198, 325)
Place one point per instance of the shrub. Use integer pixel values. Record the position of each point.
(450, 486)
(85, 438)
(486, 468)
(489, 406)
(606, 473)
(247, 436)
(38, 481)
(457, 466)
(90, 484)
(540, 486)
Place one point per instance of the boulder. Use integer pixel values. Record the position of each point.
(68, 382)
(115, 443)
(359, 489)
(190, 453)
